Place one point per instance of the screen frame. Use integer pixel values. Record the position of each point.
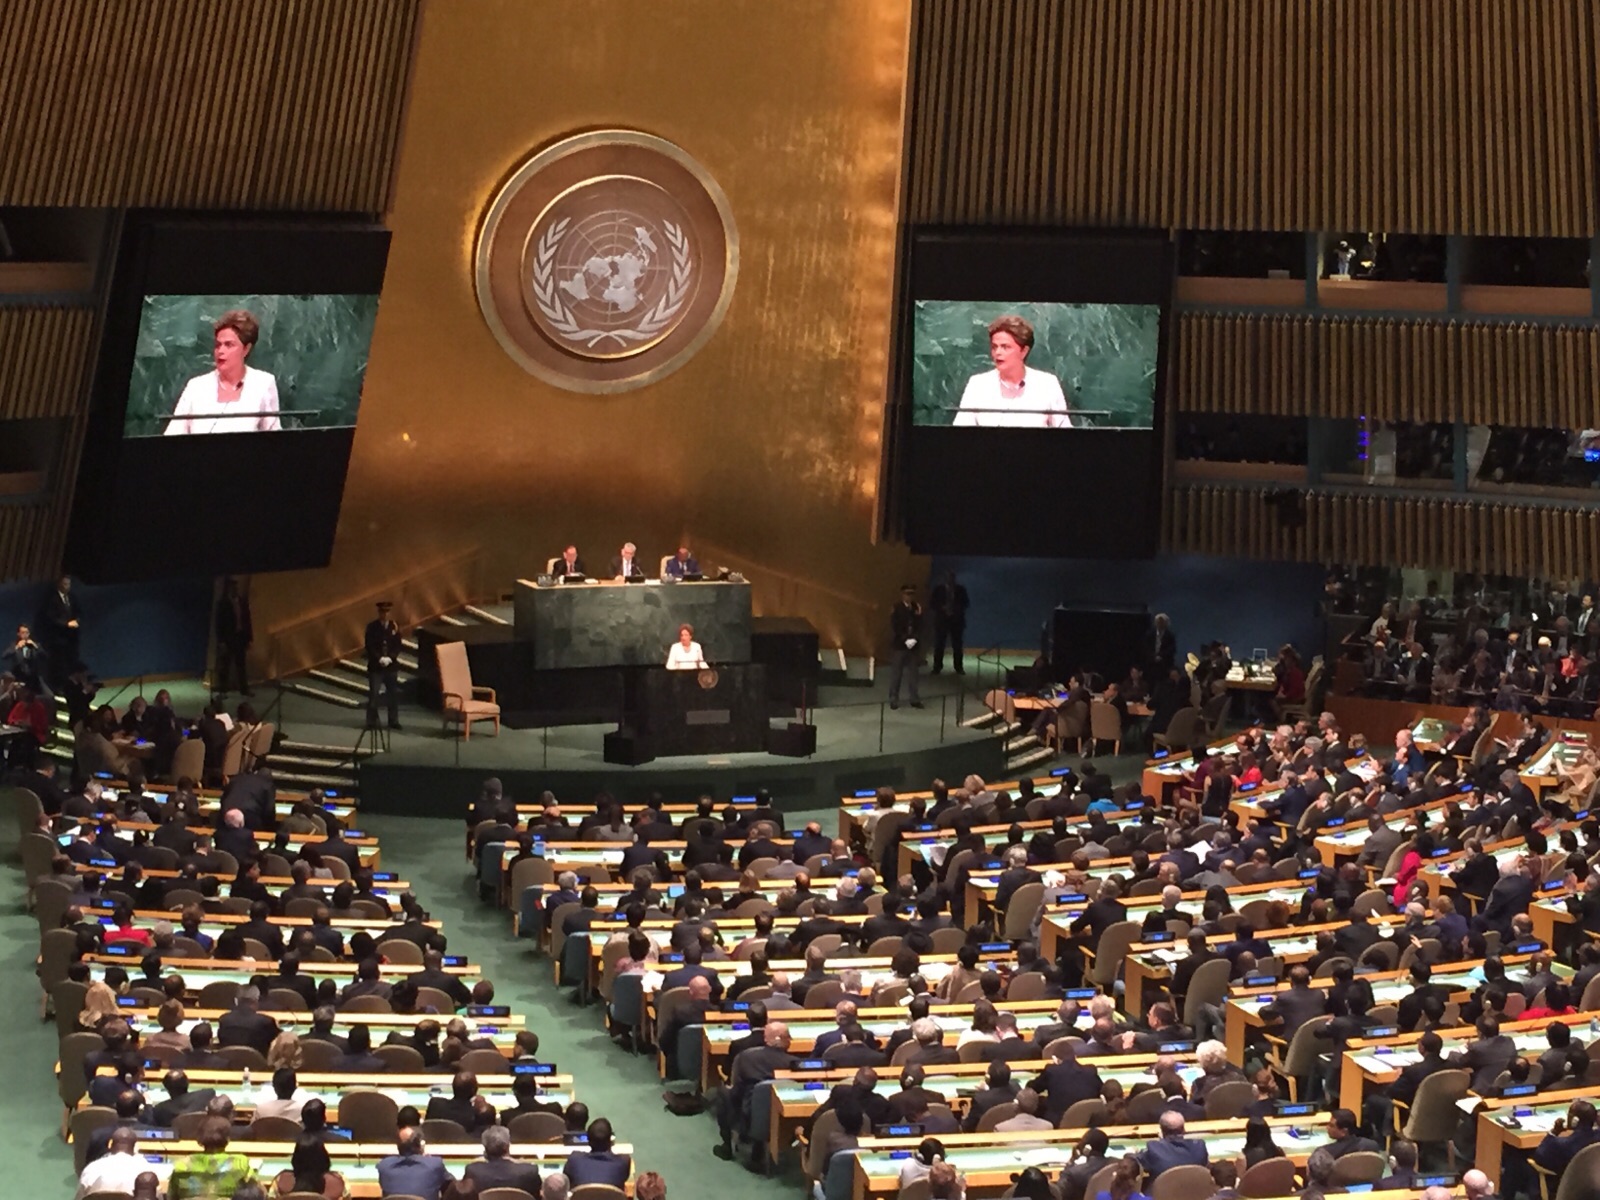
(212, 253)
(1032, 264)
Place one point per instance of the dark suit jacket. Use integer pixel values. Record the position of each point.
(1511, 896)
(382, 641)
(170, 1109)
(448, 1108)
(1063, 1084)
(986, 1099)
(503, 1172)
(1485, 1059)
(244, 1027)
(1172, 1152)
(616, 565)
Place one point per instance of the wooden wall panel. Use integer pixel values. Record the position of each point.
(1395, 530)
(167, 103)
(1440, 116)
(1481, 372)
(44, 354)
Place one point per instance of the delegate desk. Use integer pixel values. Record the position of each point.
(501, 1030)
(859, 811)
(358, 1163)
(384, 883)
(719, 1030)
(1533, 1116)
(796, 1095)
(1374, 1062)
(1543, 770)
(988, 1160)
(415, 1090)
(1165, 773)
(1149, 963)
(930, 844)
(621, 625)
(197, 972)
(1348, 842)
(216, 924)
(1243, 1004)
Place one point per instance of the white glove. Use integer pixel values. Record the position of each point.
(385, 661)
(911, 643)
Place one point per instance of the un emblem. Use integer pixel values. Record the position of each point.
(606, 261)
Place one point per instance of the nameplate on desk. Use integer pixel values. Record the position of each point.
(1440, 852)
(533, 1068)
(1159, 937)
(102, 902)
(1296, 1110)
(1311, 874)
(1082, 993)
(127, 1002)
(995, 948)
(1175, 1047)
(1527, 947)
(383, 877)
(120, 949)
(813, 1064)
(575, 1139)
(1160, 754)
(1060, 771)
(708, 716)
(488, 1010)
(459, 960)
(865, 794)
(1428, 1181)
(752, 799)
(354, 833)
(1133, 805)
(1258, 980)
(1521, 1089)
(1070, 897)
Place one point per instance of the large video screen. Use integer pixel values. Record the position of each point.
(1034, 366)
(248, 364)
(226, 395)
(1028, 392)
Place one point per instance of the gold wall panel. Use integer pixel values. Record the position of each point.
(764, 448)
(288, 104)
(45, 354)
(1442, 116)
(1481, 372)
(1395, 530)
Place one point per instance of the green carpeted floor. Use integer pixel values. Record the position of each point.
(427, 852)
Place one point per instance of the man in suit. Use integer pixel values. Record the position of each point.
(1088, 1160)
(244, 1025)
(434, 975)
(1297, 1004)
(1155, 921)
(949, 601)
(289, 977)
(383, 665)
(253, 794)
(1486, 1057)
(905, 646)
(912, 1096)
(759, 844)
(261, 928)
(1380, 1102)
(754, 1066)
(415, 928)
(1569, 1135)
(998, 1088)
(1064, 1082)
(844, 1016)
(180, 1099)
(235, 632)
(1343, 1137)
(367, 982)
(1422, 987)
(461, 1106)
(931, 1050)
(1358, 934)
(1509, 897)
(1016, 873)
(811, 842)
(1382, 841)
(233, 837)
(820, 923)
(59, 624)
(682, 564)
(569, 563)
(497, 1169)
(862, 1090)
(690, 970)
(1172, 1149)
(411, 1171)
(334, 846)
(624, 565)
(1160, 646)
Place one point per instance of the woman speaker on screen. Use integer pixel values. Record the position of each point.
(1013, 394)
(233, 398)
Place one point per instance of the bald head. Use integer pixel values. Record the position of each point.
(699, 988)
(777, 1034)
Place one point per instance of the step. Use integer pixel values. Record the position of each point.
(335, 679)
(343, 784)
(485, 615)
(1026, 742)
(1023, 761)
(447, 619)
(313, 749)
(300, 762)
(409, 644)
(1010, 729)
(316, 693)
(987, 717)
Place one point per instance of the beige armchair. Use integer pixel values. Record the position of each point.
(460, 698)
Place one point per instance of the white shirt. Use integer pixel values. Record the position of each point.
(1039, 405)
(201, 410)
(268, 1105)
(685, 658)
(116, 1173)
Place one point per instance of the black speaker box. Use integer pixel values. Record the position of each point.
(793, 741)
(628, 748)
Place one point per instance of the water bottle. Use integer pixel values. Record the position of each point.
(247, 1080)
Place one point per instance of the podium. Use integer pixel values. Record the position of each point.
(717, 711)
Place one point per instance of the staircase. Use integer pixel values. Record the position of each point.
(1023, 749)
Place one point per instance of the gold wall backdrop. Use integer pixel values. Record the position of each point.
(1498, 537)
(764, 448)
(1440, 116)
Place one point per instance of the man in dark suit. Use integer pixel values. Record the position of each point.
(891, 922)
(949, 602)
(754, 1066)
(1422, 987)
(1486, 1057)
(1382, 841)
(1016, 874)
(497, 1169)
(1155, 921)
(232, 836)
(1297, 1004)
(1509, 897)
(261, 928)
(1568, 1136)
(59, 624)
(931, 1050)
(1088, 1160)
(235, 632)
(691, 969)
(625, 564)
(1064, 1082)
(459, 1106)
(180, 1099)
(759, 844)
(1160, 646)
(289, 977)
(998, 1088)
(858, 1049)
(1358, 934)
(820, 923)
(1585, 904)
(1172, 1149)
(569, 563)
(334, 846)
(862, 1090)
(254, 795)
(411, 1172)
(383, 640)
(912, 1096)
(416, 930)
(811, 842)
(1343, 1137)
(244, 1025)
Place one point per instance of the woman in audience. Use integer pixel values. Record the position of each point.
(311, 1171)
(1258, 1143)
(168, 1041)
(1215, 1070)
(982, 1028)
(639, 957)
(1411, 862)
(99, 1002)
(1032, 1184)
(964, 972)
(1266, 1102)
(1124, 1183)
(928, 1151)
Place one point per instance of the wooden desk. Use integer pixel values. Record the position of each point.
(1495, 1136)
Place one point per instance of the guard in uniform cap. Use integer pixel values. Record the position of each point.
(383, 666)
